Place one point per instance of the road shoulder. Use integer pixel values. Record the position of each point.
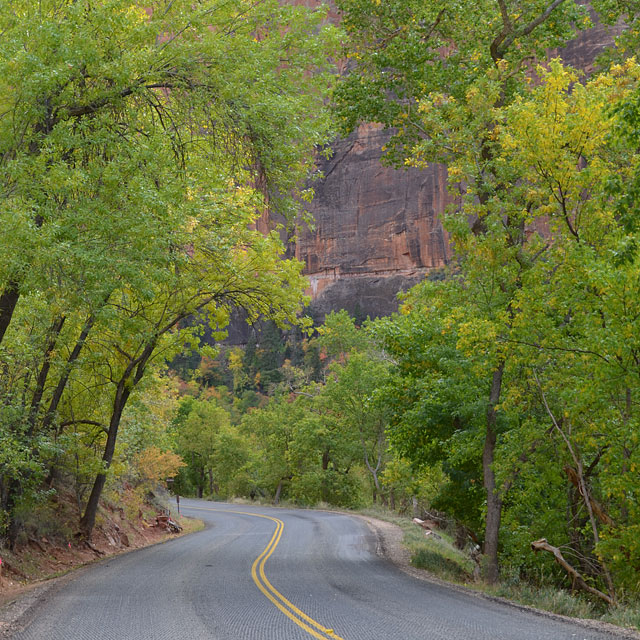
(390, 547)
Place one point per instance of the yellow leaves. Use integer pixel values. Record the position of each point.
(137, 14)
(435, 100)
(503, 66)
(236, 359)
(472, 93)
(475, 335)
(455, 173)
(416, 163)
(557, 78)
(547, 136)
(155, 465)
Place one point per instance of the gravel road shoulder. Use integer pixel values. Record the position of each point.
(15, 613)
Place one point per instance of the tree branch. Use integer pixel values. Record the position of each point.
(577, 579)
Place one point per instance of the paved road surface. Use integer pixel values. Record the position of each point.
(273, 574)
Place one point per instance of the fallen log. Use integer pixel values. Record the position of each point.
(430, 525)
(165, 522)
(578, 580)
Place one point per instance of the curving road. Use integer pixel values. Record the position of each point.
(273, 574)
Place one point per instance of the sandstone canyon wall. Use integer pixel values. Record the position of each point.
(377, 230)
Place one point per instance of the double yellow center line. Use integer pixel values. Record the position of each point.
(292, 612)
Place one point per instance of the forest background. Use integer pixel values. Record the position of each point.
(140, 148)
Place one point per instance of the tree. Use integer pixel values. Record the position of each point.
(197, 441)
(441, 76)
(435, 397)
(567, 415)
(577, 321)
(351, 397)
(270, 429)
(339, 335)
(138, 148)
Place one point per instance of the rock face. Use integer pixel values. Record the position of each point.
(378, 230)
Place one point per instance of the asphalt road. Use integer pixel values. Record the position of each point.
(273, 574)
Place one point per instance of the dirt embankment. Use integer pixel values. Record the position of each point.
(38, 562)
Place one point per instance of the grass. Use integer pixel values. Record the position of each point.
(384, 514)
(546, 598)
(433, 561)
(626, 616)
(437, 556)
(190, 525)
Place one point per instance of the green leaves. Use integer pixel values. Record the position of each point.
(409, 55)
(138, 149)
(538, 304)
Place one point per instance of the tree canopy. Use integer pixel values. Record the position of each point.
(140, 144)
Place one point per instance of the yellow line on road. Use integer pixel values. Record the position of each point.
(271, 593)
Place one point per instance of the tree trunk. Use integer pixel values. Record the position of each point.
(8, 302)
(577, 579)
(583, 490)
(575, 525)
(626, 455)
(202, 482)
(494, 498)
(276, 498)
(377, 492)
(88, 520)
(10, 499)
(64, 378)
(36, 400)
(415, 507)
(126, 384)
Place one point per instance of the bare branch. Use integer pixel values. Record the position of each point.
(577, 579)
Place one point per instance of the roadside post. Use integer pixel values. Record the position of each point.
(169, 482)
